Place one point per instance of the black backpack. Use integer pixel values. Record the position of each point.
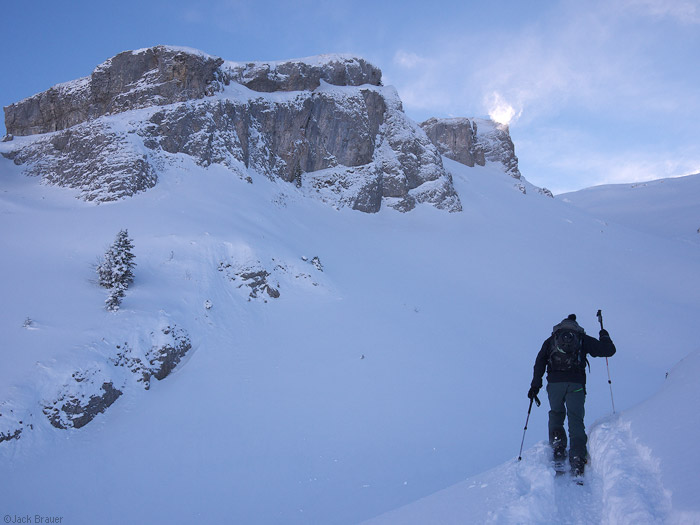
(566, 351)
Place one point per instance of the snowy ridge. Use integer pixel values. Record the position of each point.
(175, 49)
(315, 60)
(664, 207)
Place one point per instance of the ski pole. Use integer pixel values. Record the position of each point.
(535, 398)
(600, 320)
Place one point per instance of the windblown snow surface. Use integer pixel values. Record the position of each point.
(397, 371)
(664, 207)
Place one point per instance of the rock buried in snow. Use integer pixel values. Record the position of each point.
(81, 399)
(7, 436)
(171, 344)
(164, 358)
(317, 263)
(254, 277)
(11, 426)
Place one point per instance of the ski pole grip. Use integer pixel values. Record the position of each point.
(600, 319)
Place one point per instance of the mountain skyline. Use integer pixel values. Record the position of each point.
(333, 309)
(601, 93)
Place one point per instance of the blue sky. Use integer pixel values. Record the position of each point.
(599, 91)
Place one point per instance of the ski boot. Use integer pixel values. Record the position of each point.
(578, 466)
(559, 456)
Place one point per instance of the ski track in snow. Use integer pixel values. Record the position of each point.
(542, 497)
(631, 489)
(622, 485)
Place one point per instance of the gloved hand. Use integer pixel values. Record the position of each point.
(603, 333)
(532, 393)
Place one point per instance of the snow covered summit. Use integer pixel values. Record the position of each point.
(322, 123)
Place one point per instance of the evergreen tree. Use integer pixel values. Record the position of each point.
(104, 270)
(123, 259)
(115, 297)
(116, 271)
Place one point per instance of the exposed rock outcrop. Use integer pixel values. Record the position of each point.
(85, 396)
(95, 157)
(455, 138)
(133, 79)
(304, 74)
(473, 142)
(169, 346)
(11, 426)
(283, 138)
(253, 277)
(329, 128)
(257, 281)
(495, 140)
(91, 391)
(7, 436)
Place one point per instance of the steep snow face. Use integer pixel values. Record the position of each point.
(325, 392)
(324, 124)
(665, 207)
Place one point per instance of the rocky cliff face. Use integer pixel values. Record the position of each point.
(130, 80)
(455, 138)
(473, 142)
(324, 124)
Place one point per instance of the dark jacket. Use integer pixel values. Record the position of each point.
(591, 346)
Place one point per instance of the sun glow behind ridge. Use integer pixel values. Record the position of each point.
(500, 110)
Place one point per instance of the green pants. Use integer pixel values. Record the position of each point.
(567, 400)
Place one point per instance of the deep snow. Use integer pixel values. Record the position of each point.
(665, 207)
(275, 416)
(643, 470)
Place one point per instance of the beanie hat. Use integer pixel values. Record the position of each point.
(568, 324)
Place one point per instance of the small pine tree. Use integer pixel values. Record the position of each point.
(116, 271)
(115, 297)
(104, 270)
(123, 261)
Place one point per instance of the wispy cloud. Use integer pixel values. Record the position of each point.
(587, 66)
(407, 60)
(581, 54)
(683, 11)
(566, 160)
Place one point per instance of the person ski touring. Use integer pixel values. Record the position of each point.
(564, 356)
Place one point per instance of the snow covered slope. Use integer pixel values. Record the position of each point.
(666, 207)
(396, 367)
(644, 470)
